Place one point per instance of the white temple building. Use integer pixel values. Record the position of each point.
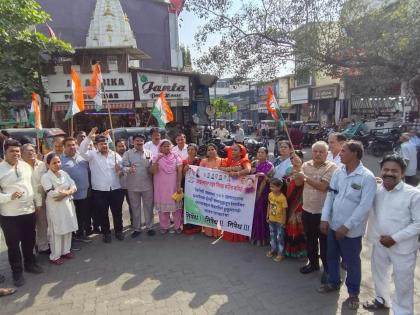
(110, 26)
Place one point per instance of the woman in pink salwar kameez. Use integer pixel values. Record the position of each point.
(167, 176)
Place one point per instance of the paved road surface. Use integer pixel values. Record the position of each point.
(178, 274)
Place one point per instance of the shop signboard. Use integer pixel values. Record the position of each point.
(118, 86)
(299, 96)
(152, 84)
(325, 92)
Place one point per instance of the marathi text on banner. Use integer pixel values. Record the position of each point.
(214, 199)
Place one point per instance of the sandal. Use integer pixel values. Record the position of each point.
(58, 261)
(69, 255)
(375, 305)
(352, 303)
(328, 288)
(7, 291)
(278, 258)
(269, 254)
(163, 231)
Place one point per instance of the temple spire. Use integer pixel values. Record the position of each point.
(109, 26)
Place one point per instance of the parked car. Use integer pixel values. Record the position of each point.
(46, 136)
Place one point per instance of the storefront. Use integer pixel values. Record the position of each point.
(325, 98)
(149, 85)
(299, 98)
(118, 97)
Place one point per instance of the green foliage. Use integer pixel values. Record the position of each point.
(22, 48)
(186, 56)
(375, 41)
(222, 106)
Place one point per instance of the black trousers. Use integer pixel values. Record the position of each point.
(311, 224)
(109, 199)
(19, 231)
(83, 213)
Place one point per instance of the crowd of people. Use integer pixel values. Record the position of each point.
(316, 209)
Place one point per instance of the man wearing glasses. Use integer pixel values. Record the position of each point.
(17, 212)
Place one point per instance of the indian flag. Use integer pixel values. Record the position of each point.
(78, 102)
(94, 88)
(273, 107)
(161, 111)
(35, 112)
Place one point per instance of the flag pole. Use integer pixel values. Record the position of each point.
(71, 127)
(110, 121)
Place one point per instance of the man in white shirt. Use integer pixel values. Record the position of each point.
(409, 154)
(343, 220)
(105, 168)
(39, 168)
(239, 134)
(181, 147)
(393, 230)
(221, 132)
(336, 141)
(152, 145)
(17, 212)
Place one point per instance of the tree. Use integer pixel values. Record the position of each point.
(222, 106)
(354, 38)
(23, 49)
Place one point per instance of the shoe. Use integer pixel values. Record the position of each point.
(375, 305)
(68, 256)
(324, 278)
(34, 268)
(278, 258)
(84, 239)
(151, 232)
(2, 278)
(75, 248)
(119, 236)
(352, 303)
(328, 288)
(171, 231)
(308, 269)
(107, 238)
(135, 234)
(44, 252)
(269, 254)
(18, 279)
(58, 261)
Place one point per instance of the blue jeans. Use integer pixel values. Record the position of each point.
(277, 234)
(349, 249)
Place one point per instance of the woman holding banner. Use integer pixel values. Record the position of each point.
(236, 164)
(167, 176)
(192, 159)
(264, 170)
(212, 161)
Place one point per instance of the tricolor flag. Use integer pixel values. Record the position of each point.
(161, 111)
(35, 112)
(94, 88)
(77, 103)
(51, 33)
(273, 107)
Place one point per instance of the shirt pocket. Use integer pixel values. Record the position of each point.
(354, 194)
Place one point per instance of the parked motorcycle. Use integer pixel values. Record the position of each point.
(252, 147)
(384, 143)
(221, 145)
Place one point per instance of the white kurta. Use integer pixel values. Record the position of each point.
(61, 214)
(395, 213)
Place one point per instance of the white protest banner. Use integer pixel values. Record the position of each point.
(214, 199)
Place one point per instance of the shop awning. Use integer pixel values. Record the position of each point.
(60, 107)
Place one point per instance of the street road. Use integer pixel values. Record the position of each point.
(178, 274)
